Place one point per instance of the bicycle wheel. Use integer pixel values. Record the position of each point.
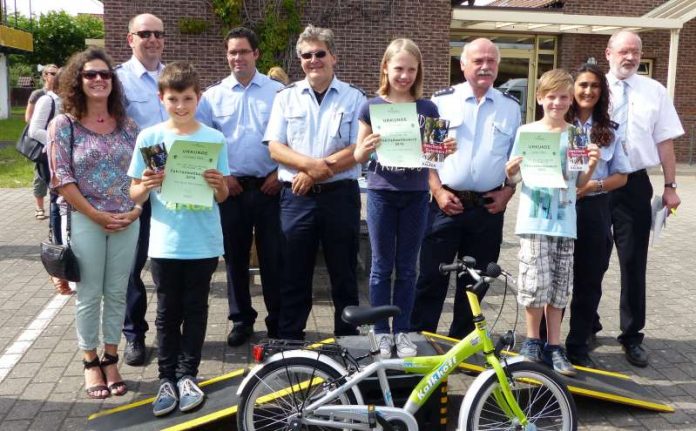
(281, 389)
(540, 394)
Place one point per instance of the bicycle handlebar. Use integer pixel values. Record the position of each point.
(468, 264)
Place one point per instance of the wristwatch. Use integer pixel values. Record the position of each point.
(671, 185)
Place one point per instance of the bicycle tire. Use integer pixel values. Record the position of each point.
(540, 394)
(282, 376)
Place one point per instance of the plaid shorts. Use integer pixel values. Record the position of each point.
(546, 271)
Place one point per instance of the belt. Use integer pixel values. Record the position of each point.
(638, 173)
(471, 199)
(251, 182)
(325, 187)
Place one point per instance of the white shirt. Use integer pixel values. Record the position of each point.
(652, 119)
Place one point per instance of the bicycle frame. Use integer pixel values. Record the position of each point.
(436, 370)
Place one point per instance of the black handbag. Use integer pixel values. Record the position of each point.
(30, 147)
(59, 259)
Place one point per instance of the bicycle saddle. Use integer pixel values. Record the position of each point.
(359, 316)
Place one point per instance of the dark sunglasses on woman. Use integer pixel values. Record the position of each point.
(92, 74)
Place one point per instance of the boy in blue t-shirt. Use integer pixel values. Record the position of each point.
(546, 225)
(185, 241)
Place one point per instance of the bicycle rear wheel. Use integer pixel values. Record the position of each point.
(541, 395)
(280, 391)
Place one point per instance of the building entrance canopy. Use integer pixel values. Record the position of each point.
(671, 16)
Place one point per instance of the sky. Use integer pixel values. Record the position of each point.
(73, 7)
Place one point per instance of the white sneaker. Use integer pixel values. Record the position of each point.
(404, 346)
(385, 342)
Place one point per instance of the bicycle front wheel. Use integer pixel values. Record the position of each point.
(541, 395)
(277, 395)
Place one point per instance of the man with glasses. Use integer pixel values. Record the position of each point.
(312, 133)
(138, 77)
(239, 106)
(648, 124)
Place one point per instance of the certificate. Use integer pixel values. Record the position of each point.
(397, 125)
(541, 165)
(183, 174)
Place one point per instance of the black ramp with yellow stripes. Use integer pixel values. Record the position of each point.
(220, 403)
(221, 400)
(589, 382)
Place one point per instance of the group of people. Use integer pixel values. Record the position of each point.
(286, 175)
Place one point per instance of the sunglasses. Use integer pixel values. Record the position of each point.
(91, 75)
(317, 54)
(145, 34)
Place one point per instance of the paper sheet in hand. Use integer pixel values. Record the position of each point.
(183, 174)
(397, 125)
(541, 165)
(659, 219)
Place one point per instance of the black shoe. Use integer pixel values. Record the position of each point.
(135, 353)
(239, 335)
(636, 355)
(581, 359)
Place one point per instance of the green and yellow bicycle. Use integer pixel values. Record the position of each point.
(299, 386)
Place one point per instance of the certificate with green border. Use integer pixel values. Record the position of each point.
(541, 163)
(183, 174)
(397, 125)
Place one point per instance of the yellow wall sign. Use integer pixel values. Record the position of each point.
(18, 39)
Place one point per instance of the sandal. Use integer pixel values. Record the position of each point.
(39, 214)
(62, 286)
(117, 388)
(92, 391)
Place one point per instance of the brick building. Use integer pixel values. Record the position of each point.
(364, 28)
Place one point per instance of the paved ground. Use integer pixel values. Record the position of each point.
(43, 390)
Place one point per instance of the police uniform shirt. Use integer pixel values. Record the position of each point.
(241, 114)
(140, 93)
(652, 119)
(485, 131)
(612, 158)
(314, 130)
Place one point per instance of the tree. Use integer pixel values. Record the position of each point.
(57, 35)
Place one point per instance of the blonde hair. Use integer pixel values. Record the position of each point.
(555, 80)
(396, 46)
(277, 73)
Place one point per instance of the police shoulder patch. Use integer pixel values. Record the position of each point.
(444, 92)
(286, 87)
(359, 89)
(614, 125)
(512, 97)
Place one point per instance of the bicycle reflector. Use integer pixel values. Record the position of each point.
(257, 352)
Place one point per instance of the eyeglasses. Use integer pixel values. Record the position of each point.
(145, 34)
(309, 55)
(239, 52)
(91, 75)
(50, 73)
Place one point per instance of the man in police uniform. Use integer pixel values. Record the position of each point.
(648, 123)
(469, 199)
(239, 106)
(311, 134)
(138, 77)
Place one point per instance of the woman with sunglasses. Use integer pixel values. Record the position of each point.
(90, 149)
(39, 184)
(590, 113)
(397, 198)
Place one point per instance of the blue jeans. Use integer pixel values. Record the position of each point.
(396, 221)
